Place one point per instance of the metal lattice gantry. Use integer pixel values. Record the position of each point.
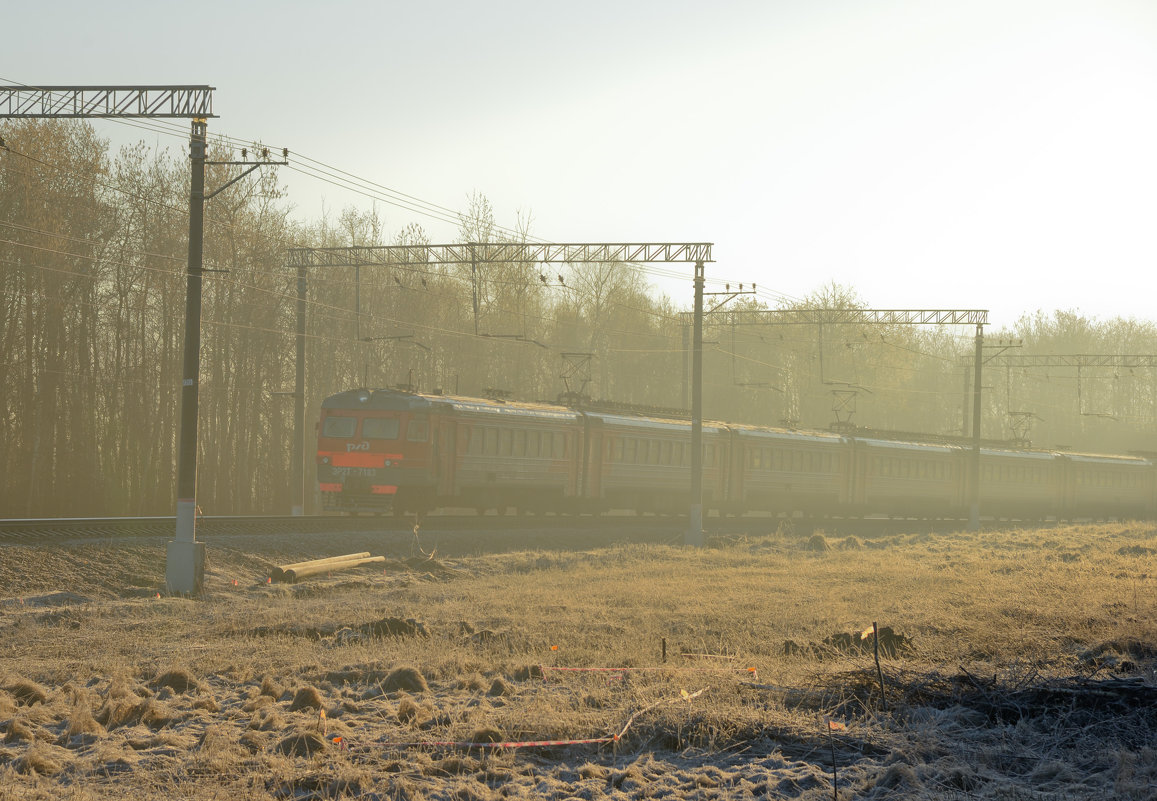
(1118, 361)
(185, 561)
(501, 252)
(481, 253)
(1079, 361)
(854, 316)
(857, 317)
(64, 102)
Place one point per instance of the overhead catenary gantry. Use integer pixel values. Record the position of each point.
(185, 560)
(1079, 361)
(481, 253)
(858, 316)
(86, 102)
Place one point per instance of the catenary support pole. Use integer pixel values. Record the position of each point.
(185, 562)
(298, 471)
(695, 529)
(974, 484)
(686, 358)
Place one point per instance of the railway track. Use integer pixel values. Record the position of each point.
(208, 528)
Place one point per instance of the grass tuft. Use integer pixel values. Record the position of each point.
(27, 692)
(306, 698)
(405, 678)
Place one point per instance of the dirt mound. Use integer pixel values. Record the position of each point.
(301, 744)
(892, 644)
(395, 627)
(179, 681)
(1122, 656)
(386, 627)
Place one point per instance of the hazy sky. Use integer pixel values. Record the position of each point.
(971, 154)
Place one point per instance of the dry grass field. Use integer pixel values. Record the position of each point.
(1023, 668)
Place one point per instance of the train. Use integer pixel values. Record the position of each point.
(388, 451)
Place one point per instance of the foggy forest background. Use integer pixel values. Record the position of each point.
(93, 253)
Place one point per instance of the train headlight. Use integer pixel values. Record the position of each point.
(388, 463)
(325, 460)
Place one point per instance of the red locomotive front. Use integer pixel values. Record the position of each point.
(374, 452)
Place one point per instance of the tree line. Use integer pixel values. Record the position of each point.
(93, 253)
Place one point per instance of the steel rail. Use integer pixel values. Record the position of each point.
(121, 528)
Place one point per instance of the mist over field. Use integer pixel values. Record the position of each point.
(93, 248)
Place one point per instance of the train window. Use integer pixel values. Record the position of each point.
(666, 458)
(679, 454)
(753, 458)
(416, 431)
(380, 428)
(520, 442)
(339, 426)
(618, 455)
(491, 442)
(475, 448)
(631, 446)
(642, 452)
(535, 446)
(656, 453)
(505, 440)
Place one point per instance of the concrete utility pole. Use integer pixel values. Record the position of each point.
(185, 558)
(974, 465)
(481, 253)
(694, 535)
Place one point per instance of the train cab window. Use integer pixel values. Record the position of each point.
(339, 426)
(491, 442)
(475, 448)
(380, 428)
(417, 431)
